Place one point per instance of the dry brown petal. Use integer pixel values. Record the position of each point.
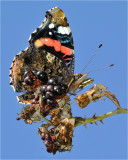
(113, 98)
(42, 129)
(55, 117)
(83, 100)
(66, 129)
(94, 94)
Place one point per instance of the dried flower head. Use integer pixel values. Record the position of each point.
(66, 129)
(83, 100)
(30, 114)
(93, 94)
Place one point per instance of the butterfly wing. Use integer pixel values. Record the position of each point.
(51, 50)
(55, 37)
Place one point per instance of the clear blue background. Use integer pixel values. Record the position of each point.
(91, 23)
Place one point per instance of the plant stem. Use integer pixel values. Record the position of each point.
(98, 118)
(45, 119)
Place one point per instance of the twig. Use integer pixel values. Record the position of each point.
(99, 118)
(46, 120)
(43, 118)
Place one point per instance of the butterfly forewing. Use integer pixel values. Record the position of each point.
(55, 37)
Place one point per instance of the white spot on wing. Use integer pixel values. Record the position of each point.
(67, 30)
(50, 33)
(64, 30)
(51, 25)
(61, 30)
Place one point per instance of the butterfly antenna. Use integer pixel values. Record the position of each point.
(92, 56)
(101, 68)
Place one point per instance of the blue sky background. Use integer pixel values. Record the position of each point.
(91, 23)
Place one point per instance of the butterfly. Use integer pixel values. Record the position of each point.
(50, 54)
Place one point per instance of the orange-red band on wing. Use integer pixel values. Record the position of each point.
(67, 59)
(53, 43)
(66, 50)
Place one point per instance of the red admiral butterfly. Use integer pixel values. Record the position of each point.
(50, 54)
